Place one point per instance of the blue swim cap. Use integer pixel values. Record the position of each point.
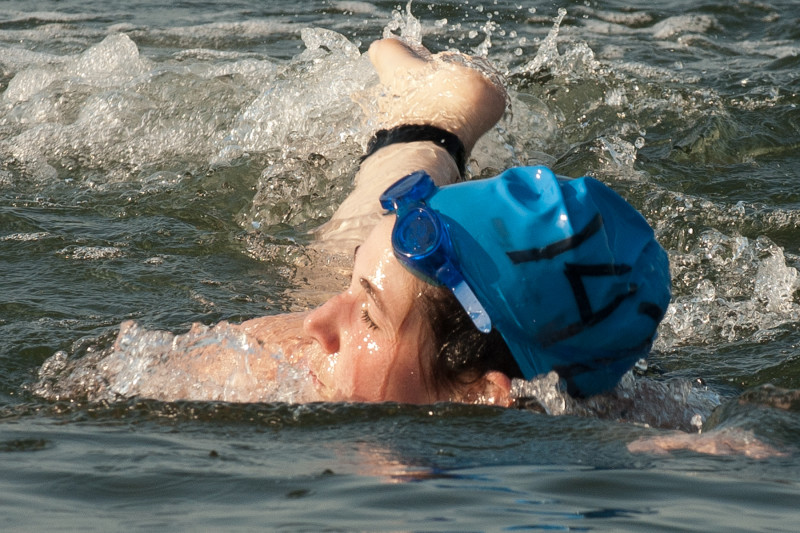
(567, 271)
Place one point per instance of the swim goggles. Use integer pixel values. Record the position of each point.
(422, 243)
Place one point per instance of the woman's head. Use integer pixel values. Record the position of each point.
(372, 332)
(566, 274)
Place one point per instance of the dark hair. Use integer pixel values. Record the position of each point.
(464, 354)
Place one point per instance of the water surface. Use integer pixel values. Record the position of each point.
(165, 164)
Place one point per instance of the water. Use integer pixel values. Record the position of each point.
(165, 164)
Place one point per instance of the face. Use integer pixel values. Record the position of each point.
(375, 339)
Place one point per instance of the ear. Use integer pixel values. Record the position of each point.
(496, 389)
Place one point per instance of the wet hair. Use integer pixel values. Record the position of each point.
(463, 354)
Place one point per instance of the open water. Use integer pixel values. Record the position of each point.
(164, 162)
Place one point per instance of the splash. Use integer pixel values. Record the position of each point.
(409, 27)
(219, 363)
(577, 60)
(307, 109)
(309, 126)
(110, 109)
(673, 404)
(729, 288)
(547, 53)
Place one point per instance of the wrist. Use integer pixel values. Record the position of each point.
(358, 213)
(421, 133)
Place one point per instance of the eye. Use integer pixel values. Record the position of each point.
(368, 320)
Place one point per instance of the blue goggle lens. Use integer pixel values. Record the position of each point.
(417, 233)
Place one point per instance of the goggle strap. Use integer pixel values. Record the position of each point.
(472, 306)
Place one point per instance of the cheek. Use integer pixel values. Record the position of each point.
(362, 367)
(385, 371)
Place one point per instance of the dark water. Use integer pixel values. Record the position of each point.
(164, 163)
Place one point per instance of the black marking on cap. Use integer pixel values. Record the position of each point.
(652, 310)
(559, 247)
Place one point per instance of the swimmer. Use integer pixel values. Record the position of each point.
(527, 273)
(458, 287)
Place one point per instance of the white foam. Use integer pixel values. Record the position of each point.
(307, 111)
(251, 29)
(112, 109)
(28, 83)
(633, 18)
(112, 62)
(738, 289)
(15, 17)
(361, 8)
(91, 253)
(672, 26)
(25, 237)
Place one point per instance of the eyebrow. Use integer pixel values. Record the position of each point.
(373, 293)
(369, 288)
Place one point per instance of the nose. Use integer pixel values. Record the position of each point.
(322, 324)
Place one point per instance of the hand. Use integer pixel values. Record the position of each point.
(445, 90)
(731, 441)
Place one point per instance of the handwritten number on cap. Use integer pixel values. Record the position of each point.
(575, 273)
